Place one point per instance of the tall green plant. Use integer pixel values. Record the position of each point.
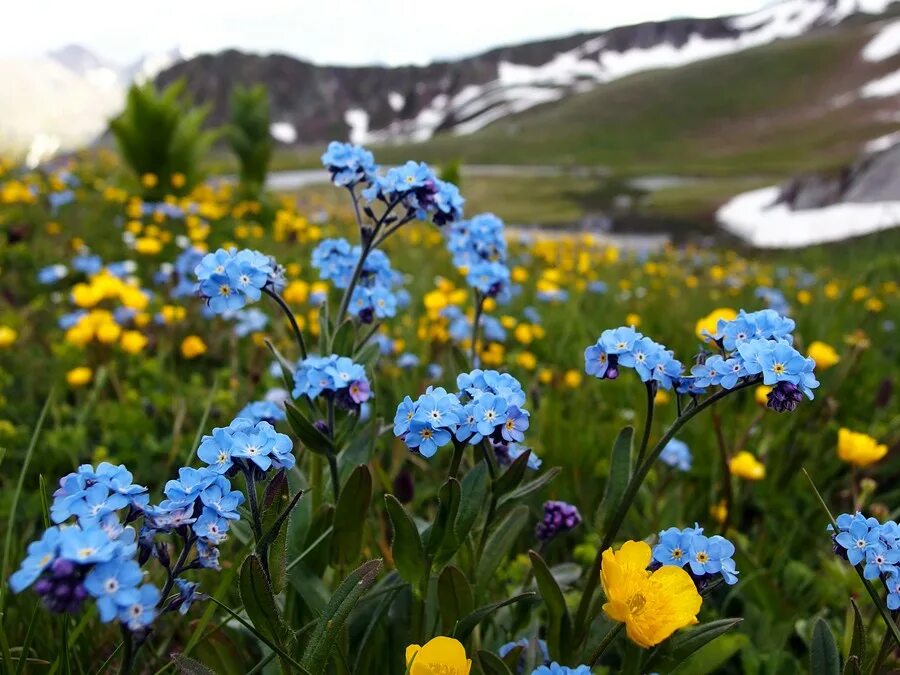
(161, 136)
(248, 134)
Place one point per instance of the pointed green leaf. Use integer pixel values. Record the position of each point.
(188, 666)
(474, 489)
(467, 624)
(559, 625)
(499, 544)
(311, 437)
(858, 641)
(823, 652)
(350, 516)
(619, 475)
(441, 535)
(853, 666)
(491, 664)
(510, 479)
(276, 500)
(259, 602)
(331, 624)
(683, 644)
(343, 339)
(406, 547)
(455, 597)
(532, 486)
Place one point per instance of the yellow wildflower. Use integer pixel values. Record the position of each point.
(572, 378)
(873, 305)
(823, 354)
(633, 320)
(441, 654)
(132, 341)
(804, 297)
(192, 347)
(149, 180)
(178, 180)
(761, 394)
(745, 465)
(78, 377)
(147, 245)
(527, 360)
(859, 449)
(7, 336)
(652, 605)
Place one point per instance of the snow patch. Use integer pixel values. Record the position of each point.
(283, 132)
(889, 85)
(882, 143)
(358, 121)
(885, 44)
(396, 100)
(757, 218)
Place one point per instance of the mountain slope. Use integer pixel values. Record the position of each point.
(376, 104)
(787, 106)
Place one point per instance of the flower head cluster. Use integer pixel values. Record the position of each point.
(478, 245)
(95, 556)
(460, 329)
(626, 347)
(488, 405)
(231, 279)
(246, 445)
(706, 557)
(540, 647)
(348, 164)
(263, 411)
(875, 545)
(180, 272)
(416, 188)
(559, 518)
(332, 376)
(555, 669)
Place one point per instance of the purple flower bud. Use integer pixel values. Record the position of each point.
(784, 397)
(559, 518)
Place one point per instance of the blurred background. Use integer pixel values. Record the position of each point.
(777, 123)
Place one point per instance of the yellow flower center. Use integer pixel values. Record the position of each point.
(426, 433)
(85, 553)
(224, 290)
(636, 603)
(702, 557)
(778, 368)
(677, 553)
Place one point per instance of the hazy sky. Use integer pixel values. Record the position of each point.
(326, 31)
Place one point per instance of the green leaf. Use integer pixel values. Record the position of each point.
(474, 489)
(406, 547)
(350, 516)
(343, 339)
(491, 664)
(683, 644)
(368, 354)
(441, 534)
(858, 641)
(455, 597)
(532, 486)
(331, 624)
(499, 543)
(559, 625)
(276, 499)
(467, 624)
(824, 658)
(619, 475)
(287, 368)
(188, 666)
(259, 602)
(311, 437)
(853, 667)
(512, 477)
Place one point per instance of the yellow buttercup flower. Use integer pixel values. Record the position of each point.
(132, 341)
(709, 323)
(147, 245)
(832, 290)
(633, 320)
(178, 180)
(823, 354)
(859, 449)
(149, 180)
(108, 332)
(7, 336)
(78, 377)
(652, 605)
(440, 656)
(192, 347)
(527, 360)
(572, 378)
(545, 376)
(662, 397)
(745, 465)
(873, 305)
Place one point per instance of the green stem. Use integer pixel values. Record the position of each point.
(298, 334)
(479, 308)
(648, 422)
(604, 643)
(128, 655)
(458, 450)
